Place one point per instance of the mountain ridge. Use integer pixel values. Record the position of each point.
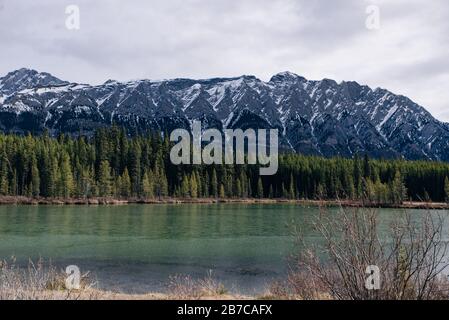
(314, 117)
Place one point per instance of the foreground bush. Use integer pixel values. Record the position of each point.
(39, 281)
(411, 256)
(185, 288)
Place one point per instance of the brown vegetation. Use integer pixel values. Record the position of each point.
(411, 256)
(40, 281)
(185, 288)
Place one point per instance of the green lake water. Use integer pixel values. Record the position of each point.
(136, 248)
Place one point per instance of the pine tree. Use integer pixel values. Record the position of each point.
(56, 189)
(350, 190)
(238, 188)
(446, 189)
(193, 186)
(199, 185)
(66, 183)
(135, 154)
(4, 183)
(148, 185)
(229, 181)
(357, 172)
(13, 186)
(369, 191)
(260, 188)
(214, 184)
(366, 167)
(271, 193)
(284, 191)
(291, 190)
(222, 191)
(117, 186)
(206, 187)
(48, 178)
(87, 183)
(250, 189)
(35, 179)
(244, 182)
(398, 189)
(104, 180)
(125, 184)
(185, 187)
(321, 192)
(161, 182)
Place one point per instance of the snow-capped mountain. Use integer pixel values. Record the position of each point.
(313, 117)
(26, 79)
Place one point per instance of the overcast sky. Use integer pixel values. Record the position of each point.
(160, 39)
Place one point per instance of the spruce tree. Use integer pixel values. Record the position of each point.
(398, 189)
(193, 186)
(291, 191)
(35, 179)
(148, 185)
(238, 188)
(185, 186)
(357, 172)
(199, 185)
(222, 191)
(366, 167)
(214, 183)
(66, 182)
(446, 189)
(125, 184)
(135, 154)
(4, 172)
(260, 188)
(104, 180)
(206, 186)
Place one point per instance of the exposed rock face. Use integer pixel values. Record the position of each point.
(313, 117)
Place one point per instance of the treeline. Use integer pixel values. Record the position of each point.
(111, 164)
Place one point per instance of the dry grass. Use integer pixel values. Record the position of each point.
(297, 286)
(185, 288)
(40, 281)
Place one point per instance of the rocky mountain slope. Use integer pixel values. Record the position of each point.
(314, 117)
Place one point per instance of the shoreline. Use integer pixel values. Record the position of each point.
(20, 200)
(106, 295)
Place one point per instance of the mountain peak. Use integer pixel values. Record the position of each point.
(24, 72)
(25, 78)
(286, 76)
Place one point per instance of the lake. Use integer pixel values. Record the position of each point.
(136, 248)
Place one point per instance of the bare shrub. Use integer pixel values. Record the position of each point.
(39, 281)
(277, 290)
(185, 288)
(411, 256)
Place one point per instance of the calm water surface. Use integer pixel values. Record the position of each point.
(136, 248)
